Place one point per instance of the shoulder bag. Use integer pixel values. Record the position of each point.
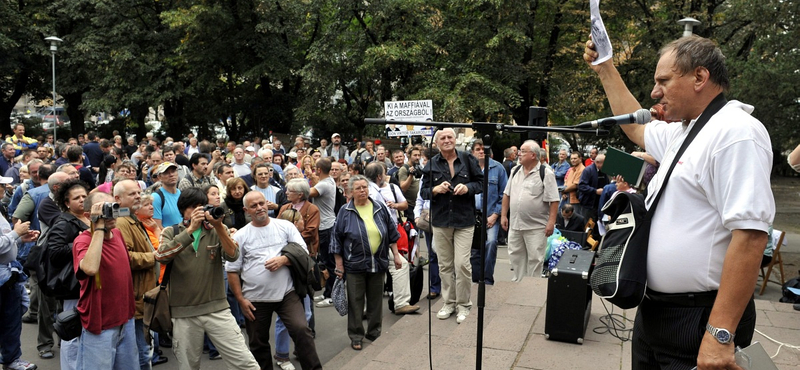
(620, 273)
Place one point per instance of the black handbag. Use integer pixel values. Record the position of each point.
(620, 274)
(68, 324)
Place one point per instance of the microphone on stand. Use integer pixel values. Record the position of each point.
(641, 116)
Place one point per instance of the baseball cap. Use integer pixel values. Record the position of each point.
(6, 180)
(335, 134)
(249, 149)
(163, 167)
(292, 155)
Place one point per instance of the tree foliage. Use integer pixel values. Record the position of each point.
(290, 66)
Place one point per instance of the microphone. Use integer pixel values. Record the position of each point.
(641, 116)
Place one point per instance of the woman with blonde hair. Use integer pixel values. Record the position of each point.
(235, 216)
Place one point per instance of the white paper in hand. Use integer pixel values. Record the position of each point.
(599, 35)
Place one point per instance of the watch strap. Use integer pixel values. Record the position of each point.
(717, 331)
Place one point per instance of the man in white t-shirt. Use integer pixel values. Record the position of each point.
(262, 283)
(710, 227)
(392, 197)
(240, 167)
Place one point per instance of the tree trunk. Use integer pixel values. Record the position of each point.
(6, 106)
(73, 104)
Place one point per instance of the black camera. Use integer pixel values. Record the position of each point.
(113, 210)
(216, 212)
(418, 171)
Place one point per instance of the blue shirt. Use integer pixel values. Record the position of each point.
(168, 214)
(561, 171)
(497, 185)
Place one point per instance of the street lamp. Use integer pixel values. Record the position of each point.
(688, 24)
(54, 41)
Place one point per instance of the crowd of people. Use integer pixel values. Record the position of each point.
(340, 207)
(236, 227)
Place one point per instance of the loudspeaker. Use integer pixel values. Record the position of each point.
(569, 297)
(537, 116)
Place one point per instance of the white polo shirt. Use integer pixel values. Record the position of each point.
(720, 184)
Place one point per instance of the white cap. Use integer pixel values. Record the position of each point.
(6, 180)
(249, 149)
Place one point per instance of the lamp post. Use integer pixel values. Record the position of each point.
(54, 41)
(688, 24)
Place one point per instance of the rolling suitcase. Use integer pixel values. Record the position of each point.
(569, 297)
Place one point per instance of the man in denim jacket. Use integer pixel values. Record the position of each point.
(497, 183)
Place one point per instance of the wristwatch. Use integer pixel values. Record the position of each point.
(723, 336)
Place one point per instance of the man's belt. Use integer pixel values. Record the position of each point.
(698, 299)
(11, 280)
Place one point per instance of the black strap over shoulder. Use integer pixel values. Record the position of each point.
(168, 270)
(709, 112)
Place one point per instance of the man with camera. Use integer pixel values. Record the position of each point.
(106, 303)
(142, 260)
(263, 284)
(408, 176)
(196, 248)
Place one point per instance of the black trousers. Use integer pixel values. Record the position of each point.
(328, 259)
(291, 312)
(668, 336)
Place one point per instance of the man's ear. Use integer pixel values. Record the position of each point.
(701, 78)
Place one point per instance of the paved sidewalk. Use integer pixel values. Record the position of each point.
(514, 337)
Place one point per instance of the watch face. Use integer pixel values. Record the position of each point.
(723, 336)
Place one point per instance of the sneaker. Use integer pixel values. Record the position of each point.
(215, 357)
(462, 316)
(285, 365)
(20, 365)
(318, 298)
(406, 309)
(30, 319)
(327, 302)
(445, 312)
(47, 354)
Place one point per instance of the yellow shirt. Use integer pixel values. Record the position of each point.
(374, 235)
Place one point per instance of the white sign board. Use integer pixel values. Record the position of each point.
(408, 110)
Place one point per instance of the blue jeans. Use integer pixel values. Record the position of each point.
(491, 257)
(142, 345)
(69, 349)
(11, 310)
(282, 335)
(433, 267)
(236, 311)
(112, 349)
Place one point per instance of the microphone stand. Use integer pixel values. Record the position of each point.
(487, 129)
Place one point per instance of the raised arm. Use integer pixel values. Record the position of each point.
(619, 97)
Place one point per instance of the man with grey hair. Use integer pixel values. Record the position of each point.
(714, 262)
(391, 197)
(533, 184)
(561, 167)
(142, 260)
(381, 157)
(451, 180)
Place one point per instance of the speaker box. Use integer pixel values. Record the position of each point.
(569, 297)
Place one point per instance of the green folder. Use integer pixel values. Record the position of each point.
(620, 163)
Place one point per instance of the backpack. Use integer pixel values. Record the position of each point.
(55, 281)
(618, 275)
(788, 295)
(517, 167)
